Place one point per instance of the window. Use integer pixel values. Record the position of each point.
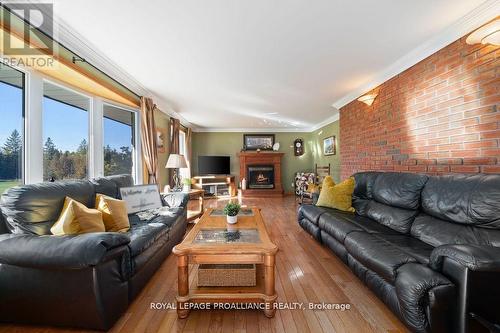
(65, 133)
(184, 173)
(119, 140)
(11, 127)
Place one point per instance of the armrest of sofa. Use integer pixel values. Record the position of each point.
(175, 199)
(61, 252)
(418, 287)
(473, 257)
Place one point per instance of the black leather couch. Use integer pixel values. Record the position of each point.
(84, 280)
(428, 246)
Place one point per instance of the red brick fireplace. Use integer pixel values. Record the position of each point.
(262, 172)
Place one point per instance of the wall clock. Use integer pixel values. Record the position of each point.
(298, 147)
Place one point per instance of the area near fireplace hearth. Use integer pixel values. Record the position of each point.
(231, 143)
(262, 172)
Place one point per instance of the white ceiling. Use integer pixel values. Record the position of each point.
(247, 64)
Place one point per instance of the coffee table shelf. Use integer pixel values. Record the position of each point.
(238, 292)
(259, 250)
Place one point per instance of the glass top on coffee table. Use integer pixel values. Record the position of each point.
(224, 236)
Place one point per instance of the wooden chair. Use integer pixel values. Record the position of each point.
(321, 172)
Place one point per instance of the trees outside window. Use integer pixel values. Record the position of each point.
(11, 127)
(65, 132)
(119, 140)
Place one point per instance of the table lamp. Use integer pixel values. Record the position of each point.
(176, 161)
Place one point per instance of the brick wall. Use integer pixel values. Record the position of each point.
(442, 115)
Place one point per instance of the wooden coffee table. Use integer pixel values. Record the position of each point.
(207, 243)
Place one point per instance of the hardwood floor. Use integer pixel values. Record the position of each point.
(305, 272)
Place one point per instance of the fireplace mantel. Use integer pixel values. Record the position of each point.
(262, 158)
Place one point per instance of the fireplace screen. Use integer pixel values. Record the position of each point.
(261, 176)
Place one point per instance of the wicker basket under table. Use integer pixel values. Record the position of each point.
(226, 275)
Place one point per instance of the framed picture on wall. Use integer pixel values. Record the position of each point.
(258, 141)
(329, 146)
(161, 139)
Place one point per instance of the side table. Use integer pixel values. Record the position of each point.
(193, 195)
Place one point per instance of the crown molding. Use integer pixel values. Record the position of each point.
(250, 130)
(313, 128)
(485, 12)
(331, 119)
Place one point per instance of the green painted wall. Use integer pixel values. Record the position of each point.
(229, 144)
(316, 146)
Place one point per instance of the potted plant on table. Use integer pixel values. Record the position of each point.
(231, 210)
(186, 182)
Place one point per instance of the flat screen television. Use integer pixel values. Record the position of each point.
(213, 165)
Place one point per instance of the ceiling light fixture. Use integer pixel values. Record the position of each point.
(487, 34)
(368, 99)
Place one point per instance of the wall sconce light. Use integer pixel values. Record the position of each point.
(368, 99)
(487, 34)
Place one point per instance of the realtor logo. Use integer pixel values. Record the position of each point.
(26, 38)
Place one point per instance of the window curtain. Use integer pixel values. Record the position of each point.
(189, 152)
(175, 126)
(148, 139)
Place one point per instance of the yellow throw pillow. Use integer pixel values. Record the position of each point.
(76, 218)
(114, 213)
(337, 196)
(327, 182)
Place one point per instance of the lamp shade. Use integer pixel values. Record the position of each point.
(176, 161)
(487, 34)
(367, 99)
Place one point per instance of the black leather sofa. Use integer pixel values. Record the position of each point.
(86, 280)
(428, 246)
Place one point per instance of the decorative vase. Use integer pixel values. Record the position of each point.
(186, 188)
(243, 184)
(232, 219)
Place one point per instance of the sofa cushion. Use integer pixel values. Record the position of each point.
(395, 218)
(144, 235)
(376, 254)
(409, 245)
(110, 186)
(310, 212)
(399, 189)
(361, 222)
(33, 209)
(164, 215)
(464, 199)
(336, 225)
(363, 190)
(438, 232)
(148, 226)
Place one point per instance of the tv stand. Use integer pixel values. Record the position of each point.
(216, 186)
